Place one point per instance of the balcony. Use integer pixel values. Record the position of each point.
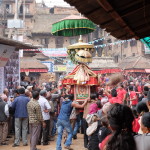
(19, 31)
(28, 33)
(27, 15)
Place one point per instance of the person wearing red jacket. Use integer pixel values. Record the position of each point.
(121, 92)
(114, 99)
(133, 97)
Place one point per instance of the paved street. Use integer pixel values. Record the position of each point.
(77, 145)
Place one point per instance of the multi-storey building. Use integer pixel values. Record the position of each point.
(26, 12)
(38, 20)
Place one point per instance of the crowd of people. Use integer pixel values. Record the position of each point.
(112, 118)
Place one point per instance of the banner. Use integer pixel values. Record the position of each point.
(81, 92)
(54, 52)
(5, 53)
(1, 79)
(49, 65)
(12, 73)
(60, 68)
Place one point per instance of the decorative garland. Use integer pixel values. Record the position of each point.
(114, 43)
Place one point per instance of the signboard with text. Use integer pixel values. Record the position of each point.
(1, 79)
(60, 68)
(54, 52)
(49, 65)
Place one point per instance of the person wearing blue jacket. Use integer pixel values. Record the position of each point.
(64, 121)
(21, 117)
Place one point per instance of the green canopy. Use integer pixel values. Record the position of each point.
(73, 26)
(146, 41)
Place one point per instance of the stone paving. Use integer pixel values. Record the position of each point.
(76, 145)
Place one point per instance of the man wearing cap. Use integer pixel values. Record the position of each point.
(45, 108)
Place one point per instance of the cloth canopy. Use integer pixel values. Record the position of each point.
(73, 26)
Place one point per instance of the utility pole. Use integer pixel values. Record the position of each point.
(24, 17)
(16, 9)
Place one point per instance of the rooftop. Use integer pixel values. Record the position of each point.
(136, 62)
(31, 63)
(43, 23)
(103, 63)
(17, 44)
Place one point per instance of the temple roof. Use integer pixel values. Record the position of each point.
(136, 62)
(102, 63)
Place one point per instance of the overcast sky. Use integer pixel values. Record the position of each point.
(52, 3)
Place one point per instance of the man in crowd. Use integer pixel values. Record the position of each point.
(133, 97)
(45, 108)
(4, 114)
(52, 114)
(64, 122)
(121, 92)
(114, 98)
(21, 117)
(35, 120)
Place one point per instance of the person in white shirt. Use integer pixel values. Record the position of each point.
(45, 108)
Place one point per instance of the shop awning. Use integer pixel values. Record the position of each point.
(108, 71)
(33, 70)
(16, 44)
(147, 70)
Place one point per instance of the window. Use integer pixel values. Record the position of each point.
(116, 45)
(21, 9)
(109, 41)
(26, 9)
(96, 33)
(133, 54)
(73, 41)
(59, 42)
(142, 47)
(133, 43)
(89, 37)
(124, 55)
(109, 47)
(116, 59)
(45, 42)
(8, 8)
(126, 44)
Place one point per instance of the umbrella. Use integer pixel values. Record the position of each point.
(73, 26)
(75, 48)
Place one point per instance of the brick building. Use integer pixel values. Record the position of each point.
(38, 23)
